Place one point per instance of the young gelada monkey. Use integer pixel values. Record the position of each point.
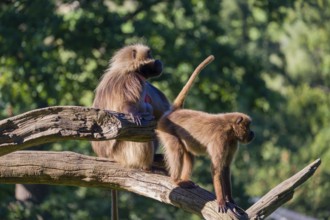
(187, 133)
(123, 88)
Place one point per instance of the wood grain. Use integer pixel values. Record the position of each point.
(70, 122)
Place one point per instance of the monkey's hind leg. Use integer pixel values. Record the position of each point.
(173, 155)
(188, 162)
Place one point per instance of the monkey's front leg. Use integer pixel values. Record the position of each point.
(218, 184)
(226, 178)
(231, 204)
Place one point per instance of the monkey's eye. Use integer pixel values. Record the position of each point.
(134, 54)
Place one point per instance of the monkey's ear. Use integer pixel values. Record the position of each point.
(134, 53)
(239, 119)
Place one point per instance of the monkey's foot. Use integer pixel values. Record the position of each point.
(187, 184)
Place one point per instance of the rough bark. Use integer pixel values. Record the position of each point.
(68, 168)
(70, 122)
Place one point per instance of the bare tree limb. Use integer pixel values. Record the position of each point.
(281, 193)
(68, 168)
(70, 122)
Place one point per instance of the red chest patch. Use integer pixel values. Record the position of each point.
(147, 99)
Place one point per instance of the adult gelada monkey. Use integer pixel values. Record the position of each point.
(186, 133)
(123, 88)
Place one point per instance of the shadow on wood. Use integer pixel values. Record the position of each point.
(70, 123)
(67, 168)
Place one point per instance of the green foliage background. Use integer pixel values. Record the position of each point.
(272, 62)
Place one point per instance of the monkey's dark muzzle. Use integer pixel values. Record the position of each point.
(158, 66)
(248, 138)
(251, 137)
(151, 69)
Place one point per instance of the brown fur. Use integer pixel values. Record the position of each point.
(187, 133)
(123, 88)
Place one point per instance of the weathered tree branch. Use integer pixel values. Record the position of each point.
(281, 193)
(67, 168)
(70, 122)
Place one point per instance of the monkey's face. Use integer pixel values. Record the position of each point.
(151, 69)
(242, 129)
(146, 66)
(137, 58)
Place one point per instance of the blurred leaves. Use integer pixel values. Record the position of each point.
(272, 62)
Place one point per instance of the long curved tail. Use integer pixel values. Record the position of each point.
(178, 102)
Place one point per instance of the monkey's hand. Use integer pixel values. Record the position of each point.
(136, 118)
(186, 184)
(222, 206)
